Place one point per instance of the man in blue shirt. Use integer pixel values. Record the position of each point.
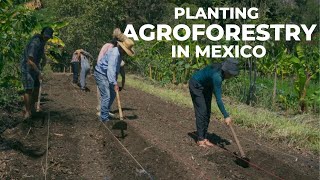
(30, 68)
(106, 72)
(202, 84)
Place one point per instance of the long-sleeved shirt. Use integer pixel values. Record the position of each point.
(210, 77)
(85, 56)
(105, 48)
(109, 65)
(76, 57)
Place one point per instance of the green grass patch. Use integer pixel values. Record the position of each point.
(296, 131)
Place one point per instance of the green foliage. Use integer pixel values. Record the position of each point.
(47, 72)
(306, 65)
(17, 25)
(90, 25)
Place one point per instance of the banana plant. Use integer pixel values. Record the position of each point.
(306, 64)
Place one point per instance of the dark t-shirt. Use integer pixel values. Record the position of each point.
(34, 49)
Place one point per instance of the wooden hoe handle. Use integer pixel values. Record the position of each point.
(39, 97)
(119, 105)
(237, 140)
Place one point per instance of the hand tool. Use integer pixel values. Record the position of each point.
(242, 161)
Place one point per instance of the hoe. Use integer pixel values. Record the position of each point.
(121, 125)
(242, 161)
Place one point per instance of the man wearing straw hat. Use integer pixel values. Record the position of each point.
(117, 35)
(106, 72)
(202, 84)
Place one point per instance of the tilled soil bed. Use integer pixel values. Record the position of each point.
(67, 141)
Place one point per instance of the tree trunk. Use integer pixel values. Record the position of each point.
(274, 87)
(248, 102)
(253, 91)
(150, 71)
(303, 103)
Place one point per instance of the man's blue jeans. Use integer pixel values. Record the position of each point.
(85, 68)
(107, 94)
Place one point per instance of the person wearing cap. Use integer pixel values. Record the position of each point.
(106, 72)
(201, 86)
(30, 68)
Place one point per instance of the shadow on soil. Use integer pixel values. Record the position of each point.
(132, 117)
(12, 138)
(262, 166)
(212, 137)
(27, 136)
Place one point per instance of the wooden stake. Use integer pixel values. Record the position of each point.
(150, 71)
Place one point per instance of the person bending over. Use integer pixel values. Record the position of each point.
(30, 68)
(201, 86)
(106, 72)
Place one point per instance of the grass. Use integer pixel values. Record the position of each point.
(294, 131)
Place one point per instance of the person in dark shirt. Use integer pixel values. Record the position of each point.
(201, 85)
(30, 68)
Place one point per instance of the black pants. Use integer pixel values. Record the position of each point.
(75, 71)
(201, 99)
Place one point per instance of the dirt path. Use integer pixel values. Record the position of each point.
(159, 136)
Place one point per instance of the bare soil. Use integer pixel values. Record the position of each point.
(67, 141)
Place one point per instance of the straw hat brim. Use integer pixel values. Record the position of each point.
(130, 52)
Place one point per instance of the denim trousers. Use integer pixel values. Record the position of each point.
(201, 99)
(85, 68)
(75, 71)
(107, 94)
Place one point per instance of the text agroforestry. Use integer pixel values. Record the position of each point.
(215, 32)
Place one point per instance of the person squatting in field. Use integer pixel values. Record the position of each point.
(201, 85)
(106, 72)
(117, 36)
(30, 69)
(82, 58)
